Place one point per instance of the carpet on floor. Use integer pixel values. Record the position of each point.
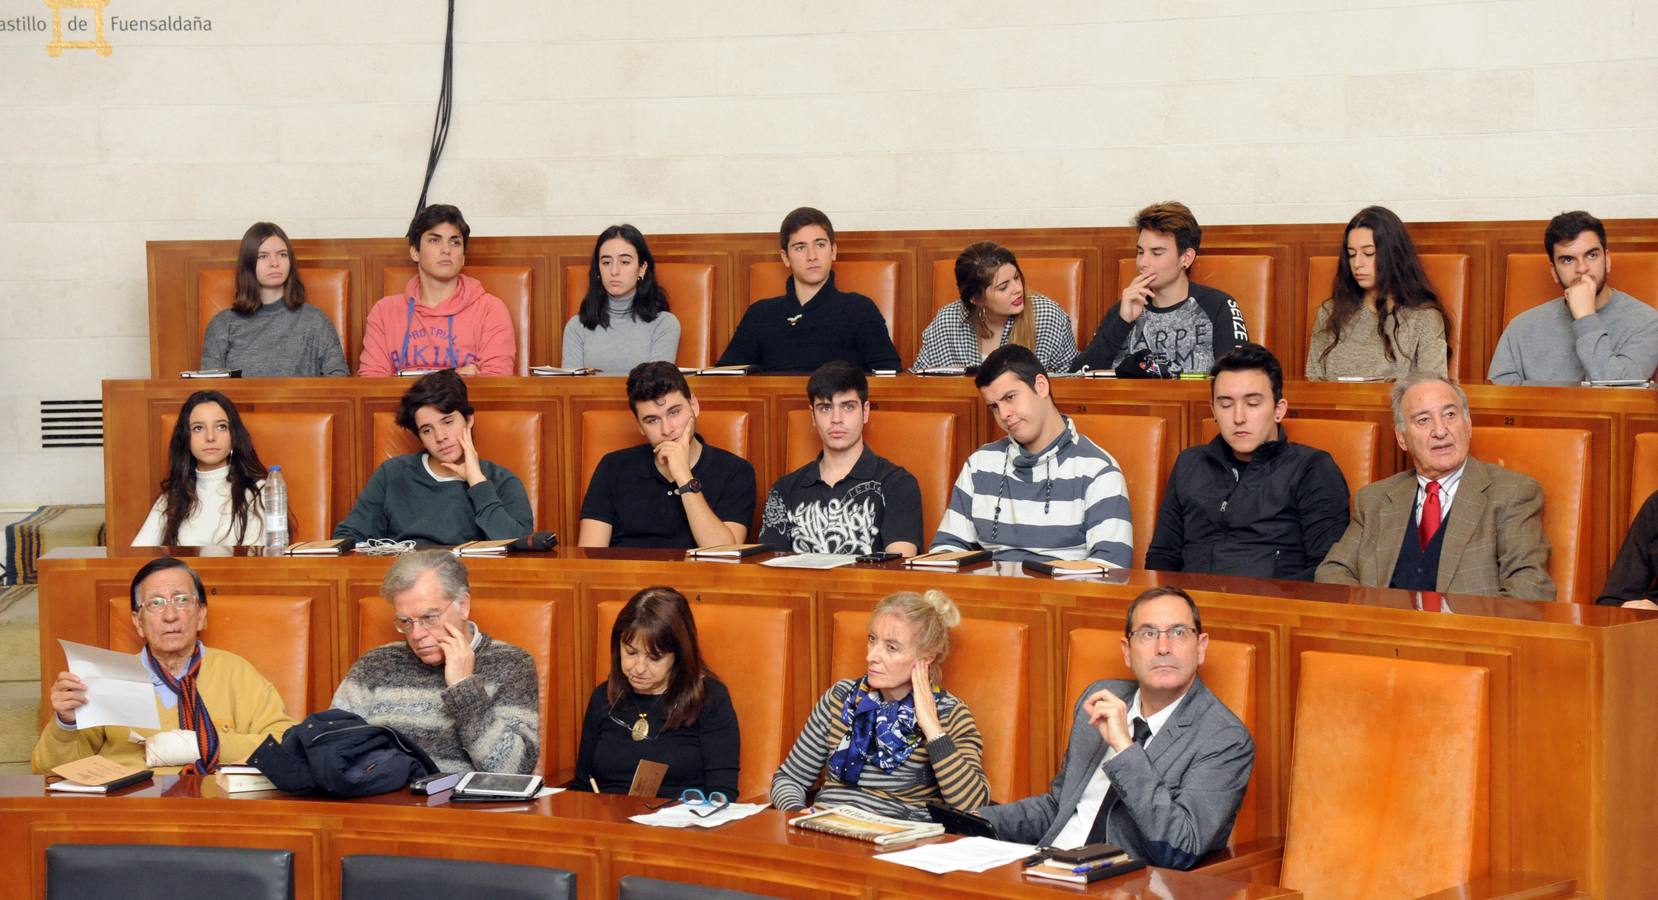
(77, 525)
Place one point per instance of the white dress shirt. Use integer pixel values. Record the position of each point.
(1075, 832)
(1447, 492)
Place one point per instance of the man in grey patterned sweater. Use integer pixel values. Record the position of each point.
(471, 702)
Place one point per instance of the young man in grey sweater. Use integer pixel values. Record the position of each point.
(1593, 333)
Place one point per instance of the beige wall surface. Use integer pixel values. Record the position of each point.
(695, 116)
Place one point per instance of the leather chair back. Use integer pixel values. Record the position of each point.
(604, 430)
(690, 289)
(77, 871)
(1247, 278)
(1374, 815)
(1057, 277)
(302, 443)
(1643, 478)
(736, 642)
(506, 437)
(994, 693)
(876, 279)
(1529, 280)
(1228, 670)
(1559, 459)
(1352, 443)
(923, 443)
(366, 877)
(639, 887)
(513, 284)
(271, 633)
(522, 622)
(1447, 273)
(327, 289)
(1138, 444)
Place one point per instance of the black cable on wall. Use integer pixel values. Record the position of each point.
(446, 98)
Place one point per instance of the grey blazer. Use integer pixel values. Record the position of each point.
(1177, 796)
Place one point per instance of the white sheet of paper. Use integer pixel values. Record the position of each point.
(811, 561)
(118, 688)
(680, 816)
(972, 854)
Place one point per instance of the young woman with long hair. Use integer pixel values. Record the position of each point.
(270, 331)
(210, 497)
(1383, 319)
(995, 310)
(624, 318)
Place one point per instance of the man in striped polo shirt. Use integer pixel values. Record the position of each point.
(1042, 492)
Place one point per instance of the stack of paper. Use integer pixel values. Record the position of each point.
(973, 854)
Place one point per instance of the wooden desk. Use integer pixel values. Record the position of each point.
(1570, 729)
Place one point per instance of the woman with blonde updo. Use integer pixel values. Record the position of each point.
(893, 739)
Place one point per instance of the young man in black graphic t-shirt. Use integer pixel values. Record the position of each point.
(848, 500)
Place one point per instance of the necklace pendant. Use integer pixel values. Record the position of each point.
(641, 728)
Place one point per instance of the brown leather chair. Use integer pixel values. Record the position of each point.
(302, 443)
(522, 622)
(1447, 273)
(327, 289)
(1389, 781)
(1352, 443)
(1529, 280)
(1559, 459)
(994, 693)
(511, 283)
(1057, 277)
(1228, 670)
(506, 437)
(1643, 478)
(1246, 278)
(736, 642)
(1137, 443)
(690, 289)
(876, 279)
(272, 633)
(604, 430)
(923, 443)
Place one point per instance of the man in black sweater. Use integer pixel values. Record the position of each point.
(1249, 502)
(814, 322)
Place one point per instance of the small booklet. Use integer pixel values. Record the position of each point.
(317, 548)
(717, 370)
(415, 373)
(558, 370)
(1362, 379)
(211, 373)
(727, 551)
(1617, 382)
(96, 775)
(484, 548)
(1084, 873)
(941, 370)
(1067, 568)
(947, 559)
(883, 831)
(811, 561)
(238, 780)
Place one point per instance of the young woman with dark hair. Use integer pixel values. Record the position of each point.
(995, 311)
(624, 318)
(210, 497)
(1383, 319)
(660, 703)
(270, 331)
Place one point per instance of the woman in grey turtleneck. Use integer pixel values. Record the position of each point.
(624, 318)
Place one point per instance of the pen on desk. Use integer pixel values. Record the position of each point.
(594, 782)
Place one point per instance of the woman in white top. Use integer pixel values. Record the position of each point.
(210, 497)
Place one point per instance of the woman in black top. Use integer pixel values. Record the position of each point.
(660, 703)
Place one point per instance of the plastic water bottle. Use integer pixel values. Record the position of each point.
(275, 496)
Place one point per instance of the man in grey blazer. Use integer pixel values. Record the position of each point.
(1157, 765)
(1450, 524)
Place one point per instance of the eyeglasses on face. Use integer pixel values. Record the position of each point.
(1147, 636)
(429, 621)
(701, 804)
(181, 601)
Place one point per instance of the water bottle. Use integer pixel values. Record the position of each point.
(275, 496)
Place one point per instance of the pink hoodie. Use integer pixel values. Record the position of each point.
(471, 327)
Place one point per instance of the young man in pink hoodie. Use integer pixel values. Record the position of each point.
(443, 319)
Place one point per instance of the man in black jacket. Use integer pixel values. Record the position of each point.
(1249, 502)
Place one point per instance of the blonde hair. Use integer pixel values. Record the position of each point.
(932, 615)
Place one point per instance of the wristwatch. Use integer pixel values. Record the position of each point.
(694, 486)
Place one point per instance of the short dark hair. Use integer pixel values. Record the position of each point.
(1014, 358)
(800, 218)
(1153, 594)
(654, 380)
(162, 564)
(1250, 357)
(835, 376)
(1567, 226)
(1171, 217)
(432, 216)
(443, 390)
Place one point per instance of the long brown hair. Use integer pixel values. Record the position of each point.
(179, 487)
(976, 270)
(247, 275)
(1399, 279)
(658, 620)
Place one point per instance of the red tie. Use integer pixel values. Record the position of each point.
(1429, 522)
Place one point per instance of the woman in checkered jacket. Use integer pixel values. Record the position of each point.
(994, 311)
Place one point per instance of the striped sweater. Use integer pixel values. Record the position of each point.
(487, 722)
(1067, 502)
(948, 768)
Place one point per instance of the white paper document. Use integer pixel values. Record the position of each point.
(680, 816)
(811, 561)
(972, 854)
(118, 688)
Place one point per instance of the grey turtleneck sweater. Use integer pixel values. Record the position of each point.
(625, 343)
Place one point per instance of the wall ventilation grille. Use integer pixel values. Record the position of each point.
(71, 423)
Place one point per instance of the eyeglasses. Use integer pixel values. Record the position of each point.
(1147, 636)
(180, 601)
(430, 621)
(700, 804)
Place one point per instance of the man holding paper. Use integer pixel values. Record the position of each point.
(223, 708)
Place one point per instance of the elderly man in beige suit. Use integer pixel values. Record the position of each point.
(1451, 524)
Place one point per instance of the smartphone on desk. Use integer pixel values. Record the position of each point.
(878, 557)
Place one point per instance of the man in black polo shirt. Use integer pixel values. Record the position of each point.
(848, 500)
(674, 490)
(813, 322)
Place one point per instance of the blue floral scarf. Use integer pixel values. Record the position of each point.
(880, 730)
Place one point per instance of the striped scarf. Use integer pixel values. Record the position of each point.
(192, 714)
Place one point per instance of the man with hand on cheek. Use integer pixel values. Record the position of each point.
(1157, 765)
(471, 702)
